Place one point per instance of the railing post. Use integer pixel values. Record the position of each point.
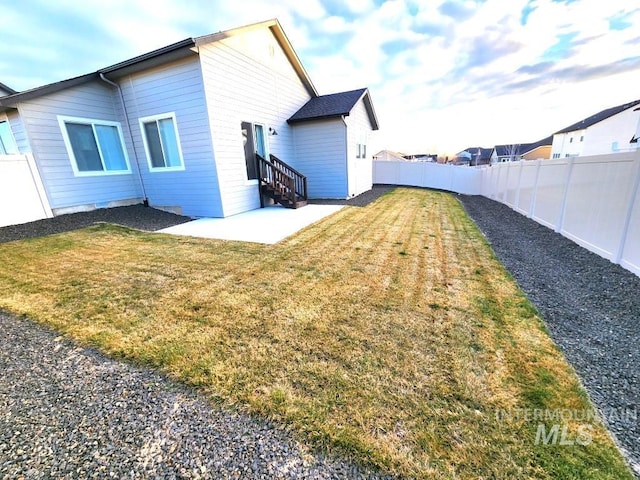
(292, 192)
(259, 168)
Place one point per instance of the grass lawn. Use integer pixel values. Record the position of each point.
(389, 333)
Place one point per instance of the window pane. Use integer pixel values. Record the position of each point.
(154, 145)
(260, 144)
(169, 142)
(7, 144)
(84, 147)
(111, 147)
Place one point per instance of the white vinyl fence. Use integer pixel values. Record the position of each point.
(594, 201)
(22, 195)
(427, 174)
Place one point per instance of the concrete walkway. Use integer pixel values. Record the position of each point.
(265, 225)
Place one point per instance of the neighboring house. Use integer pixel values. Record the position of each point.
(540, 150)
(421, 157)
(179, 128)
(389, 156)
(612, 130)
(473, 156)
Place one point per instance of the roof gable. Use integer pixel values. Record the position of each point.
(282, 39)
(335, 105)
(598, 117)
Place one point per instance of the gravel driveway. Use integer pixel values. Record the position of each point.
(590, 305)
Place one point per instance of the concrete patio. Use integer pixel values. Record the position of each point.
(264, 225)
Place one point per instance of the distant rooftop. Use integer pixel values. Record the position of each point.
(598, 117)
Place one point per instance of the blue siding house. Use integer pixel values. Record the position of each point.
(179, 128)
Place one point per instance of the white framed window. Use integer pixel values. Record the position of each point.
(7, 142)
(95, 147)
(161, 142)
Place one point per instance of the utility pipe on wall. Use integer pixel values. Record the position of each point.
(126, 120)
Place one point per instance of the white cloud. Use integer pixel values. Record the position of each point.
(436, 80)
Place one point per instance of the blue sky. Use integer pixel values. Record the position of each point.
(443, 74)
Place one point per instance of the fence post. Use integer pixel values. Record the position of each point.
(617, 257)
(534, 195)
(565, 194)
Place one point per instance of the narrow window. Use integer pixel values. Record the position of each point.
(94, 146)
(7, 143)
(161, 142)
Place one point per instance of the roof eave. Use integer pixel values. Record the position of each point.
(368, 104)
(7, 89)
(12, 100)
(175, 51)
(293, 121)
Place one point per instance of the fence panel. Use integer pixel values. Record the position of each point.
(597, 201)
(458, 179)
(512, 183)
(549, 194)
(527, 187)
(22, 196)
(630, 245)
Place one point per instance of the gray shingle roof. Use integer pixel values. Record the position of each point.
(332, 106)
(598, 117)
(522, 148)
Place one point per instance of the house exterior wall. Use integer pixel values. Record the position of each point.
(320, 155)
(66, 191)
(247, 78)
(359, 131)
(538, 153)
(176, 88)
(570, 144)
(612, 135)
